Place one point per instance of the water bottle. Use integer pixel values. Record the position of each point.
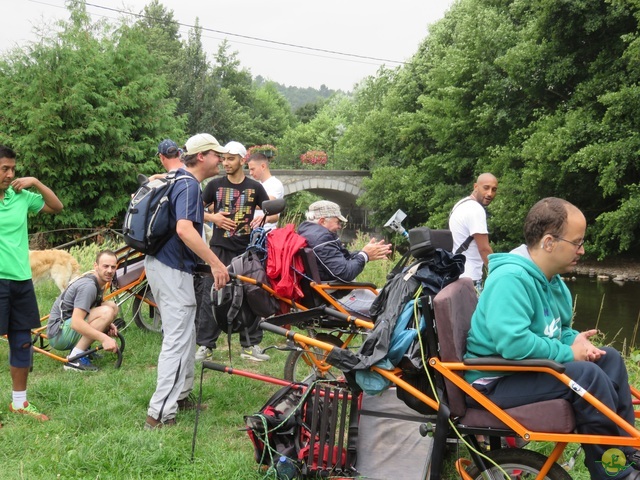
(286, 469)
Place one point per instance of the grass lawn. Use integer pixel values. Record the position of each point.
(96, 427)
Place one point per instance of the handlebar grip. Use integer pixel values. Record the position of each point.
(215, 366)
(120, 351)
(269, 327)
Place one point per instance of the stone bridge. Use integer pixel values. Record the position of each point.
(340, 186)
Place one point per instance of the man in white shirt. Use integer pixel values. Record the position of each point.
(468, 225)
(259, 170)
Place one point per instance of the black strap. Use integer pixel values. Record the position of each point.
(464, 245)
(399, 267)
(352, 441)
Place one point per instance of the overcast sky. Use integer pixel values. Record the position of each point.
(376, 32)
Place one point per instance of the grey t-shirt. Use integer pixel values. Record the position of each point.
(83, 293)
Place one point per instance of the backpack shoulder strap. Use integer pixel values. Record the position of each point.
(463, 247)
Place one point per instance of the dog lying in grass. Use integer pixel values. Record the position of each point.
(57, 265)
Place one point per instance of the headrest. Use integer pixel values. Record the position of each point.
(424, 241)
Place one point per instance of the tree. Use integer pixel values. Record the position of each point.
(160, 32)
(85, 110)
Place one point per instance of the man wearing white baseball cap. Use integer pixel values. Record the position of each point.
(232, 201)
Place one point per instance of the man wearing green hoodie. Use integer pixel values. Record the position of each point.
(525, 312)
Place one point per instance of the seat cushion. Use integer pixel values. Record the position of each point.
(550, 416)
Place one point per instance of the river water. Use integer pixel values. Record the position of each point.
(617, 304)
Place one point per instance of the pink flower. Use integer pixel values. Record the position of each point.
(314, 157)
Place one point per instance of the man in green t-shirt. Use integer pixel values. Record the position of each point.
(18, 305)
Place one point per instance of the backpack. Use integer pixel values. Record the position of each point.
(239, 305)
(147, 225)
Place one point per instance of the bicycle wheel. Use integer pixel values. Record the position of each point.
(309, 365)
(519, 464)
(145, 313)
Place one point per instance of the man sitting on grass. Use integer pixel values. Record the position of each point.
(79, 316)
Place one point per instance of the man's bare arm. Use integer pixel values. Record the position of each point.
(192, 239)
(52, 203)
(482, 240)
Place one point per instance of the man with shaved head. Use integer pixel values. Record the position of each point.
(468, 225)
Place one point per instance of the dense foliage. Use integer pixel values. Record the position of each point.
(83, 112)
(543, 94)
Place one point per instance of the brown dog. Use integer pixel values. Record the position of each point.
(56, 265)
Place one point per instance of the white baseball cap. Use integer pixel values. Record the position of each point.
(236, 148)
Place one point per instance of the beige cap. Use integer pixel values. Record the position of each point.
(202, 142)
(325, 209)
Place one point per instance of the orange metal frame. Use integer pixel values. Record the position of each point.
(449, 370)
(322, 289)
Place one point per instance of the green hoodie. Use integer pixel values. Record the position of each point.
(520, 314)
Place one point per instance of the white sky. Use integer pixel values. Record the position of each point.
(388, 30)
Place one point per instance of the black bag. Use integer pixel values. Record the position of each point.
(275, 429)
(316, 426)
(261, 302)
(147, 224)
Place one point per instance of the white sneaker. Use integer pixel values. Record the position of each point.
(204, 353)
(254, 353)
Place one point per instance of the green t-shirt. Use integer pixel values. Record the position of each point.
(14, 239)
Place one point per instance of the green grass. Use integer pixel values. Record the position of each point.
(96, 427)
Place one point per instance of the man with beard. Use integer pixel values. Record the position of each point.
(233, 200)
(18, 304)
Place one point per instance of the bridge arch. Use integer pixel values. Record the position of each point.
(340, 186)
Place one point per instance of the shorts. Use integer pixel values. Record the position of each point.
(66, 338)
(18, 306)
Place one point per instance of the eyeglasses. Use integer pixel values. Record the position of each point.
(578, 245)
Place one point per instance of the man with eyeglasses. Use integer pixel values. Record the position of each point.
(525, 312)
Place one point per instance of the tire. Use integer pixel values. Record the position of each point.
(520, 464)
(299, 366)
(146, 314)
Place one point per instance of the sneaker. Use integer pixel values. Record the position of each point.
(254, 353)
(29, 409)
(204, 353)
(153, 424)
(83, 364)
